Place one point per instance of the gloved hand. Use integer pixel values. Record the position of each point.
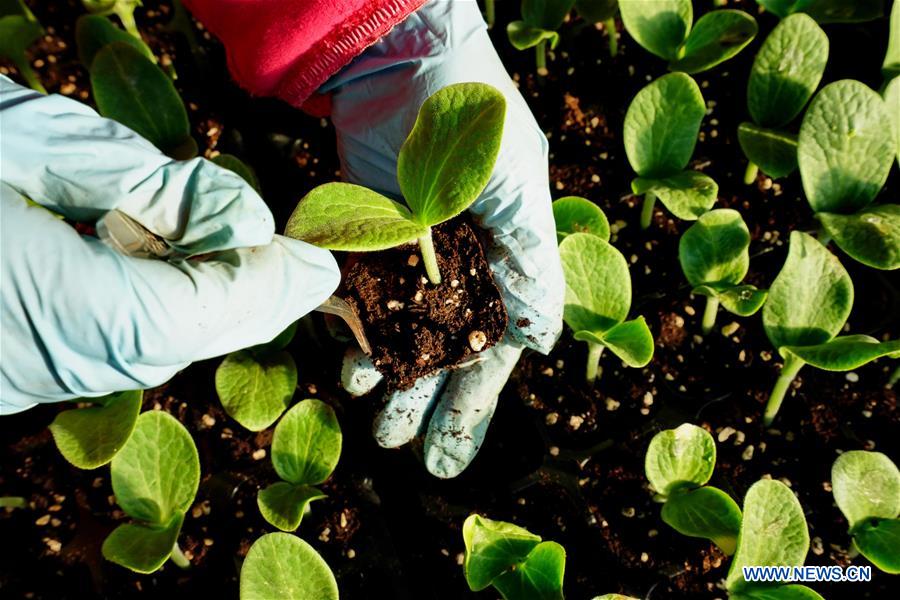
(79, 319)
(375, 103)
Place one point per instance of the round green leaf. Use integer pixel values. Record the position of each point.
(255, 389)
(660, 27)
(596, 11)
(866, 486)
(843, 353)
(93, 32)
(714, 251)
(578, 215)
(281, 565)
(742, 300)
(705, 512)
(631, 341)
(540, 577)
(492, 547)
(879, 541)
(716, 37)
(449, 156)
(283, 504)
(307, 443)
(773, 151)
(129, 88)
(142, 548)
(598, 284)
(522, 36)
(871, 236)
(90, 437)
(236, 165)
(786, 71)
(845, 147)
(680, 458)
(663, 122)
(156, 474)
(687, 195)
(811, 297)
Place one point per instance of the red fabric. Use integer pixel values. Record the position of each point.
(288, 48)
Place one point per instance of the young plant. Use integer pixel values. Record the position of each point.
(19, 29)
(601, 11)
(678, 465)
(124, 9)
(661, 129)
(827, 11)
(867, 490)
(154, 478)
(90, 437)
(784, 77)
(714, 255)
(513, 560)
(281, 565)
(578, 215)
(305, 450)
(846, 149)
(540, 20)
(808, 304)
(443, 167)
(598, 299)
(256, 385)
(666, 28)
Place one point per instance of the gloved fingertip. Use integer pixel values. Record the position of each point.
(403, 416)
(358, 375)
(446, 464)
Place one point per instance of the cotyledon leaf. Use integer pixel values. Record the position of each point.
(546, 14)
(522, 36)
(743, 300)
(578, 215)
(866, 486)
(492, 547)
(282, 504)
(687, 194)
(283, 566)
(680, 458)
(843, 353)
(255, 390)
(892, 99)
(706, 512)
(631, 341)
(716, 37)
(596, 11)
(871, 236)
(598, 284)
(93, 32)
(306, 446)
(660, 27)
(142, 548)
(879, 541)
(773, 151)
(714, 250)
(538, 577)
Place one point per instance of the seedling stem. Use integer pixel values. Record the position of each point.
(610, 25)
(647, 210)
(595, 351)
(127, 17)
(489, 13)
(790, 369)
(179, 558)
(426, 247)
(751, 173)
(894, 378)
(709, 315)
(541, 57)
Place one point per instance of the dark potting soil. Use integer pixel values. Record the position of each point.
(415, 327)
(560, 458)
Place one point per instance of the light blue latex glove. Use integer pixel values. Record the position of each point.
(376, 100)
(80, 319)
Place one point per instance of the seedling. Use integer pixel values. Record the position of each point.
(714, 255)
(867, 490)
(846, 150)
(90, 437)
(827, 11)
(19, 29)
(678, 465)
(598, 299)
(124, 9)
(661, 129)
(443, 167)
(154, 478)
(540, 20)
(601, 11)
(513, 560)
(281, 565)
(784, 77)
(666, 28)
(305, 450)
(578, 215)
(808, 304)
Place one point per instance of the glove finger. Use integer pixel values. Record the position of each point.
(462, 416)
(358, 375)
(403, 416)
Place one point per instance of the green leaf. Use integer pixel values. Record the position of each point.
(236, 165)
(786, 71)
(598, 285)
(879, 541)
(892, 98)
(596, 11)
(283, 504)
(578, 215)
(871, 236)
(845, 148)
(343, 216)
(492, 547)
(156, 474)
(705, 512)
(307, 443)
(449, 156)
(866, 486)
(663, 122)
(843, 353)
(773, 151)
(17, 34)
(841, 11)
(255, 390)
(614, 597)
(779, 8)
(811, 297)
(680, 458)
(687, 195)
(522, 37)
(540, 577)
(773, 532)
(743, 300)
(660, 27)
(281, 565)
(777, 592)
(546, 14)
(142, 548)
(93, 32)
(631, 341)
(716, 37)
(715, 250)
(90, 437)
(890, 68)
(278, 343)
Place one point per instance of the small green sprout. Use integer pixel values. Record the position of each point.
(846, 149)
(124, 9)
(90, 437)
(666, 28)
(598, 299)
(19, 29)
(601, 11)
(443, 167)
(678, 464)
(281, 565)
(154, 478)
(867, 490)
(714, 255)
(778, 91)
(827, 11)
(579, 215)
(661, 129)
(808, 304)
(513, 560)
(540, 20)
(890, 68)
(305, 450)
